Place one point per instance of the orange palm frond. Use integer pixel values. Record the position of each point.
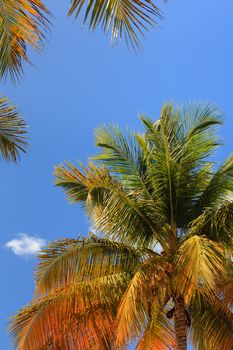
(159, 334)
(22, 24)
(63, 317)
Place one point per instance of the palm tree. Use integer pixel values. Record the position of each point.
(158, 269)
(12, 131)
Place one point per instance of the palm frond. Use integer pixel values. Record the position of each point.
(134, 225)
(123, 156)
(197, 143)
(212, 325)
(219, 186)
(12, 131)
(178, 146)
(64, 262)
(160, 138)
(159, 334)
(105, 197)
(120, 153)
(64, 320)
(127, 19)
(73, 181)
(216, 222)
(135, 310)
(225, 285)
(22, 24)
(199, 264)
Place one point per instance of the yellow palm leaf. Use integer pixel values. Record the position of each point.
(199, 263)
(159, 334)
(212, 324)
(134, 312)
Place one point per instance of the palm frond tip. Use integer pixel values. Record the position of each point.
(23, 24)
(13, 131)
(128, 19)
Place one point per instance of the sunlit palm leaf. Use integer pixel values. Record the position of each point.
(212, 325)
(110, 268)
(12, 131)
(65, 262)
(125, 19)
(62, 319)
(159, 334)
(135, 310)
(22, 25)
(199, 263)
(225, 285)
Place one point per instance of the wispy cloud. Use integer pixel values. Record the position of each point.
(25, 245)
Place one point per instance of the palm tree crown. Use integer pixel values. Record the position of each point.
(160, 264)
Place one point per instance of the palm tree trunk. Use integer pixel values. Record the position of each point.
(180, 325)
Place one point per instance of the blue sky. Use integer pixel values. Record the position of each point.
(79, 82)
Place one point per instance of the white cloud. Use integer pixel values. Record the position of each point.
(25, 245)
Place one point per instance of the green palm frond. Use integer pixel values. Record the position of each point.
(197, 143)
(12, 131)
(158, 136)
(121, 154)
(22, 24)
(124, 19)
(65, 262)
(178, 146)
(216, 222)
(134, 225)
(219, 186)
(105, 197)
(73, 181)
